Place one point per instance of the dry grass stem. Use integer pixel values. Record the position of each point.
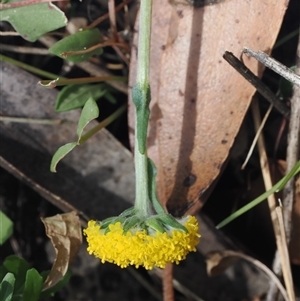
(258, 132)
(287, 274)
(268, 185)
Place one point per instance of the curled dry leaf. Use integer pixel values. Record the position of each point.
(218, 261)
(64, 230)
(198, 100)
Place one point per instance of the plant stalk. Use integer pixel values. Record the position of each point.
(142, 202)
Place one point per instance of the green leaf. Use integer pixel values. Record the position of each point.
(277, 187)
(52, 290)
(7, 287)
(33, 21)
(171, 221)
(89, 112)
(6, 228)
(33, 285)
(81, 40)
(60, 154)
(75, 96)
(141, 99)
(18, 266)
(152, 188)
(110, 98)
(155, 224)
(130, 222)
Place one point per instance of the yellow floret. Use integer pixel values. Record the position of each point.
(139, 248)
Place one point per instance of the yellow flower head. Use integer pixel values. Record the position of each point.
(142, 247)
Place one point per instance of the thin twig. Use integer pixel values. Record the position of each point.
(23, 49)
(293, 149)
(274, 65)
(104, 17)
(25, 3)
(256, 136)
(9, 33)
(30, 120)
(178, 286)
(100, 45)
(285, 264)
(167, 282)
(112, 19)
(287, 273)
(257, 83)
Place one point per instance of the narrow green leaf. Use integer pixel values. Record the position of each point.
(75, 96)
(110, 98)
(18, 266)
(81, 40)
(277, 187)
(89, 112)
(7, 287)
(6, 227)
(60, 154)
(141, 99)
(152, 172)
(130, 223)
(128, 212)
(155, 224)
(33, 21)
(33, 285)
(171, 221)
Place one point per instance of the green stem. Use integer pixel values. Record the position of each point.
(81, 80)
(29, 68)
(142, 202)
(102, 124)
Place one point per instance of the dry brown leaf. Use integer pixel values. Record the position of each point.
(198, 100)
(64, 230)
(218, 261)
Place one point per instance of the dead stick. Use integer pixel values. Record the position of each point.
(257, 83)
(292, 157)
(168, 291)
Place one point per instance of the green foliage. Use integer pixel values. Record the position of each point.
(7, 287)
(75, 96)
(18, 267)
(60, 154)
(33, 21)
(19, 282)
(81, 40)
(33, 285)
(6, 228)
(89, 112)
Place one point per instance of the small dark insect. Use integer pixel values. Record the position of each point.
(201, 3)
